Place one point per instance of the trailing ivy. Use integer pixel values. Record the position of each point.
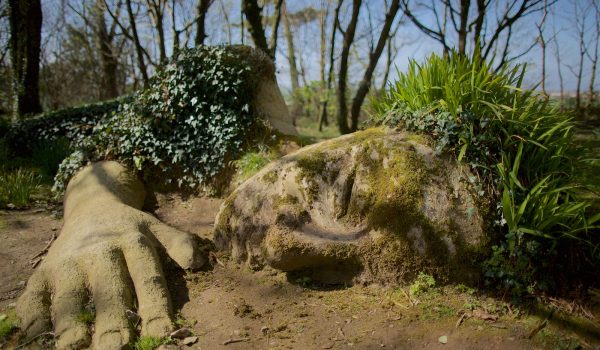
(185, 128)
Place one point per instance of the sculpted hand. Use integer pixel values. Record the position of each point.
(106, 255)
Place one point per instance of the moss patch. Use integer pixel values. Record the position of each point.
(8, 324)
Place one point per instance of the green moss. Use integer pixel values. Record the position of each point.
(395, 191)
(8, 324)
(311, 165)
(86, 317)
(227, 211)
(149, 343)
(270, 177)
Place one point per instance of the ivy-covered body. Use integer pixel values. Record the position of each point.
(197, 115)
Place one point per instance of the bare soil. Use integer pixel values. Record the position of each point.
(245, 309)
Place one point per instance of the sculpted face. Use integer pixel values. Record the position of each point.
(376, 205)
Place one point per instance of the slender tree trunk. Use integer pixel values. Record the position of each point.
(580, 68)
(294, 76)
(542, 42)
(136, 42)
(156, 8)
(275, 29)
(558, 65)
(174, 27)
(342, 113)
(462, 30)
(253, 14)
(227, 22)
(594, 55)
(365, 84)
(481, 9)
(322, 61)
(334, 28)
(108, 59)
(25, 17)
(203, 6)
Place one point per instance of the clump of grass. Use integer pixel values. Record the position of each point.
(251, 162)
(86, 317)
(149, 343)
(8, 324)
(18, 186)
(519, 147)
(422, 284)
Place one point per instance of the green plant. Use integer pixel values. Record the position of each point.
(86, 317)
(48, 154)
(251, 162)
(8, 324)
(74, 124)
(422, 284)
(18, 186)
(518, 146)
(185, 128)
(149, 343)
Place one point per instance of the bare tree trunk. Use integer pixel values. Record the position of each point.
(203, 6)
(157, 11)
(174, 27)
(294, 76)
(275, 28)
(481, 8)
(25, 17)
(582, 48)
(462, 31)
(227, 22)
(253, 14)
(324, 13)
(334, 27)
(542, 42)
(342, 113)
(559, 67)
(365, 84)
(108, 59)
(594, 56)
(390, 56)
(136, 42)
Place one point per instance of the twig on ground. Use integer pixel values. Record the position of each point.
(44, 251)
(232, 341)
(34, 338)
(461, 319)
(541, 325)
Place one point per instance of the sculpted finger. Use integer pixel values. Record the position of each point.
(181, 246)
(33, 307)
(112, 297)
(154, 305)
(69, 298)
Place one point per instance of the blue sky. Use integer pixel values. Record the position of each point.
(411, 42)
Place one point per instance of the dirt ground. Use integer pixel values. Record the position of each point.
(272, 310)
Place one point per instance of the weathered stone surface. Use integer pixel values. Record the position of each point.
(377, 205)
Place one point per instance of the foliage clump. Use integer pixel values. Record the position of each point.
(519, 147)
(185, 128)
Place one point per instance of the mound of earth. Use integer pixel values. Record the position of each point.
(375, 206)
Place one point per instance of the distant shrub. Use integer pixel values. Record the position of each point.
(518, 146)
(73, 124)
(47, 154)
(188, 125)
